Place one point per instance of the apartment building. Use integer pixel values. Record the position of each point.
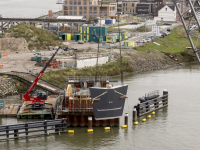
(89, 8)
(129, 7)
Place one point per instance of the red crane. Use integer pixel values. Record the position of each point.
(41, 96)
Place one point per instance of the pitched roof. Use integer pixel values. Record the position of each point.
(172, 7)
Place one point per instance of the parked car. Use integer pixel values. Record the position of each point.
(164, 33)
(148, 39)
(143, 40)
(159, 35)
(168, 29)
(80, 42)
(167, 24)
(167, 32)
(134, 23)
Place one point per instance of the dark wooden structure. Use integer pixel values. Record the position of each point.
(152, 104)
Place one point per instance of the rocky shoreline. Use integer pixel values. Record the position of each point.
(7, 87)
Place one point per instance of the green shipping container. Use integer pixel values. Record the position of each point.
(39, 59)
(1, 103)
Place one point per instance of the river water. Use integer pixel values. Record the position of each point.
(27, 8)
(172, 128)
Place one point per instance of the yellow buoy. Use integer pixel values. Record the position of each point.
(89, 130)
(124, 126)
(135, 123)
(39, 132)
(153, 113)
(149, 116)
(70, 131)
(58, 132)
(106, 128)
(143, 120)
(47, 133)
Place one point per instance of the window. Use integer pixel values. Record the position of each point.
(85, 13)
(75, 7)
(95, 8)
(95, 13)
(133, 10)
(105, 13)
(70, 8)
(80, 12)
(129, 10)
(80, 8)
(132, 4)
(85, 8)
(79, 2)
(124, 4)
(75, 12)
(90, 3)
(84, 3)
(66, 13)
(66, 8)
(71, 3)
(126, 8)
(165, 9)
(90, 8)
(75, 2)
(70, 12)
(100, 13)
(90, 13)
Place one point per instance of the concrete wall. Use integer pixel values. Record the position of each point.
(91, 62)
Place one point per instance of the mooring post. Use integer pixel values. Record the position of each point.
(89, 122)
(45, 127)
(126, 119)
(26, 129)
(134, 114)
(165, 97)
(15, 133)
(7, 131)
(63, 124)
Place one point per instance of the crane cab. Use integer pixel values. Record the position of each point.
(42, 95)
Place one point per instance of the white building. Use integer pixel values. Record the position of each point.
(166, 14)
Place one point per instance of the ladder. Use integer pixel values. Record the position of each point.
(194, 17)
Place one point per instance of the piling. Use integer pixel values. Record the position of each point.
(134, 114)
(165, 95)
(90, 124)
(126, 119)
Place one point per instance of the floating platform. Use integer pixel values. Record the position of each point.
(26, 111)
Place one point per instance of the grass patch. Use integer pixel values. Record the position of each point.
(36, 37)
(110, 69)
(176, 42)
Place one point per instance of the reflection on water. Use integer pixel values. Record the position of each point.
(173, 127)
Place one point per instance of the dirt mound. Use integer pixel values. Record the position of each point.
(13, 44)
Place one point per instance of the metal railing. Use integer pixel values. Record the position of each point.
(27, 128)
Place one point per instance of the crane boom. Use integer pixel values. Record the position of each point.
(34, 99)
(194, 7)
